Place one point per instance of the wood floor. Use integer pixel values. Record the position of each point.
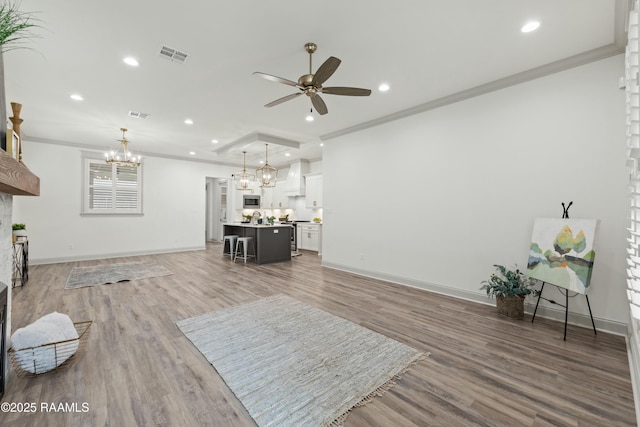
(138, 369)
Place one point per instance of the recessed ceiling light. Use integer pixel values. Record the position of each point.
(188, 121)
(383, 87)
(131, 61)
(287, 154)
(530, 26)
(76, 97)
(309, 118)
(322, 144)
(214, 141)
(192, 153)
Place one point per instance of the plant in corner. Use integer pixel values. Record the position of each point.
(15, 25)
(510, 287)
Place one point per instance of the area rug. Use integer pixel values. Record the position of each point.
(291, 364)
(81, 277)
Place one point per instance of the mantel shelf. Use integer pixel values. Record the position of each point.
(16, 178)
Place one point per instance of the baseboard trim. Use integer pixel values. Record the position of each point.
(72, 258)
(578, 319)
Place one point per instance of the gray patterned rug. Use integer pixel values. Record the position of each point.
(81, 277)
(291, 364)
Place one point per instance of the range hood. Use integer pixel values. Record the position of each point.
(294, 185)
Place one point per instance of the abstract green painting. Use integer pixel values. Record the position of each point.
(562, 252)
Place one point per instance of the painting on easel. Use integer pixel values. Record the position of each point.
(562, 252)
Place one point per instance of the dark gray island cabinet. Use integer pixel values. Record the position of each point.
(272, 243)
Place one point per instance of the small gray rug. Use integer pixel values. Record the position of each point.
(291, 364)
(81, 277)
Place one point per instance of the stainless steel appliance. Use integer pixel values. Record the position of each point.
(294, 238)
(251, 201)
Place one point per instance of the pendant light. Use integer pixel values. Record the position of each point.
(266, 174)
(244, 180)
(122, 156)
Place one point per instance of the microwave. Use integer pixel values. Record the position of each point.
(250, 201)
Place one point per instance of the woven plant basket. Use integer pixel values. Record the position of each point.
(510, 306)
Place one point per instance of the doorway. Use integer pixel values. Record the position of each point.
(216, 208)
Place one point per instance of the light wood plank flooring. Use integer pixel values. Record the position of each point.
(138, 369)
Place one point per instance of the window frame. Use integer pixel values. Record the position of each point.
(86, 209)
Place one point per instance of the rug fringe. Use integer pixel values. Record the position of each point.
(339, 422)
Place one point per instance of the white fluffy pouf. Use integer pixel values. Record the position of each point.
(31, 343)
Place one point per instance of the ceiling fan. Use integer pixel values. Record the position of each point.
(311, 84)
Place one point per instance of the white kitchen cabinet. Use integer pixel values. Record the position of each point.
(310, 237)
(274, 197)
(280, 199)
(313, 196)
(266, 197)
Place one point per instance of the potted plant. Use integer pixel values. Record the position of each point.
(19, 230)
(510, 287)
(270, 219)
(14, 25)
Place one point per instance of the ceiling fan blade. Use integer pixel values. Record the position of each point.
(276, 79)
(283, 99)
(319, 104)
(325, 71)
(348, 91)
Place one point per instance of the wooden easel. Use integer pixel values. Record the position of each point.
(565, 214)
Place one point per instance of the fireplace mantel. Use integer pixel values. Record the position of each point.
(16, 178)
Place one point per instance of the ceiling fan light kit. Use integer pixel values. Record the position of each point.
(311, 84)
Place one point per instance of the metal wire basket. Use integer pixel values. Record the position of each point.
(33, 361)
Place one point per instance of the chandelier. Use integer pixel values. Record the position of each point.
(243, 179)
(266, 174)
(122, 156)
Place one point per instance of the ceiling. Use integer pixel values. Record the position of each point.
(430, 52)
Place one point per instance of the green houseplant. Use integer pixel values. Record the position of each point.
(15, 25)
(19, 230)
(509, 287)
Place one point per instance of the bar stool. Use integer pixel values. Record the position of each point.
(231, 238)
(246, 242)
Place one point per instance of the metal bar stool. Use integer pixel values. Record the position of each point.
(246, 242)
(232, 243)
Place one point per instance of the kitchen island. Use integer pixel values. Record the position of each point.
(272, 243)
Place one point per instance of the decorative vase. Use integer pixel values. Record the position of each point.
(510, 306)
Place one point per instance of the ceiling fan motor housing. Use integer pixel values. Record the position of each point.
(306, 80)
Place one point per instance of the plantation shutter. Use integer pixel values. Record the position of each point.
(111, 189)
(126, 188)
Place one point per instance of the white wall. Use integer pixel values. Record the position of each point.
(435, 199)
(174, 200)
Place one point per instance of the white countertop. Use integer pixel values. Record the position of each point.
(249, 225)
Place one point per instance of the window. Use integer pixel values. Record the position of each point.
(111, 189)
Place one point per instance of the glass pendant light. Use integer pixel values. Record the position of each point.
(266, 174)
(244, 180)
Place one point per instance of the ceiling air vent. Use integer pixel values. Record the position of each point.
(138, 115)
(173, 54)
